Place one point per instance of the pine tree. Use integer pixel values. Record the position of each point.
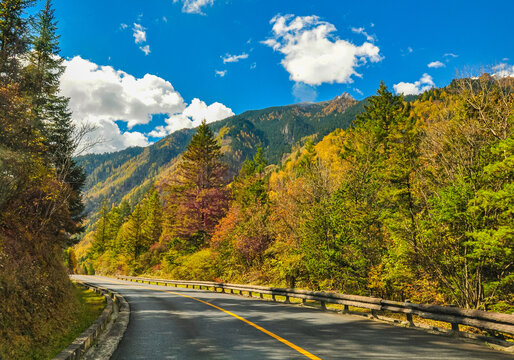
(100, 239)
(14, 38)
(201, 165)
(41, 79)
(152, 226)
(134, 237)
(197, 196)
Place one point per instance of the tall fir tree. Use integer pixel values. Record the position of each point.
(14, 39)
(41, 79)
(197, 195)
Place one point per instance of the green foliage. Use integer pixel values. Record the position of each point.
(414, 201)
(40, 204)
(196, 196)
(116, 176)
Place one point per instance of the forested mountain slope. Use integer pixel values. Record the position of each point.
(129, 173)
(414, 201)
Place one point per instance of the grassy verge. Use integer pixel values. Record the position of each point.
(89, 307)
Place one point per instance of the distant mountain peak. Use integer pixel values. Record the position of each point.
(339, 104)
(343, 96)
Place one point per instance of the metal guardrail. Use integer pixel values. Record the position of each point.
(455, 316)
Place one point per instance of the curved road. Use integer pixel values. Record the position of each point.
(178, 323)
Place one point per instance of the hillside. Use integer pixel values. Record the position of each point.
(129, 173)
(400, 206)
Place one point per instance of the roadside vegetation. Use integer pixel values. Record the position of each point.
(88, 306)
(414, 201)
(40, 186)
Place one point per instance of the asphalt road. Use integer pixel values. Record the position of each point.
(178, 323)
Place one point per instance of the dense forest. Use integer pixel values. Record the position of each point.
(128, 174)
(413, 201)
(40, 183)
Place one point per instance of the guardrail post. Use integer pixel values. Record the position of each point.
(409, 319)
(323, 305)
(304, 301)
(455, 328)
(261, 296)
(273, 297)
(287, 299)
(373, 313)
(409, 315)
(346, 309)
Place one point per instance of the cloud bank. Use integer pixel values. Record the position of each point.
(102, 96)
(313, 55)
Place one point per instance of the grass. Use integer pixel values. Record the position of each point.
(90, 306)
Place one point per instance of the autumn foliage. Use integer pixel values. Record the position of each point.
(414, 201)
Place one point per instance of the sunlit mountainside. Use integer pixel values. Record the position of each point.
(129, 173)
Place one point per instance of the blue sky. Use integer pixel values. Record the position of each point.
(212, 58)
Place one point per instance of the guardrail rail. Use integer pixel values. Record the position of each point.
(485, 320)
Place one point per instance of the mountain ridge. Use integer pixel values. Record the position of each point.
(128, 173)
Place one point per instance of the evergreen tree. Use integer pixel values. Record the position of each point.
(152, 226)
(100, 238)
(40, 81)
(197, 196)
(134, 238)
(14, 38)
(250, 185)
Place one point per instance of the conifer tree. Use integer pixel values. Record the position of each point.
(14, 38)
(197, 196)
(134, 237)
(41, 79)
(100, 239)
(152, 226)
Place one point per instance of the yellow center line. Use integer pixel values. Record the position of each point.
(260, 328)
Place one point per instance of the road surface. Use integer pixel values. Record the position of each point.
(178, 323)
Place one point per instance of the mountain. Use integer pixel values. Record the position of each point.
(129, 173)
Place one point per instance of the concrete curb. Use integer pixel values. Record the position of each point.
(108, 342)
(117, 307)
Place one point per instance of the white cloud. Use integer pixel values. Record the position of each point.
(503, 70)
(234, 58)
(112, 139)
(101, 96)
(145, 49)
(415, 88)
(410, 50)
(139, 33)
(194, 6)
(253, 66)
(451, 55)
(358, 91)
(195, 112)
(158, 132)
(436, 64)
(123, 26)
(165, 19)
(220, 73)
(362, 31)
(313, 55)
